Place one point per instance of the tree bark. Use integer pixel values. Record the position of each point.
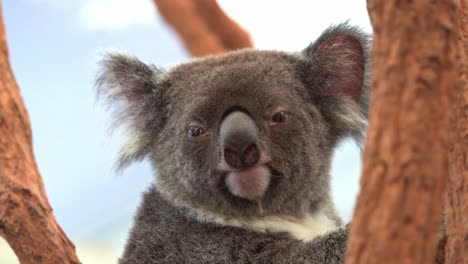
(405, 158)
(203, 26)
(26, 219)
(456, 203)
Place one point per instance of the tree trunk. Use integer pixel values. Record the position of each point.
(26, 219)
(203, 26)
(405, 158)
(456, 204)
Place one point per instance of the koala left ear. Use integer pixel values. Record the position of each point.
(336, 72)
(136, 92)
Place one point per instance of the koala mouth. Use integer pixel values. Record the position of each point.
(251, 183)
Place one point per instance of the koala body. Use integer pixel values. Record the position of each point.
(241, 146)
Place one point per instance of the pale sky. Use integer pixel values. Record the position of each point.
(54, 46)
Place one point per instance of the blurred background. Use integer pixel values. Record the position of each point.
(54, 46)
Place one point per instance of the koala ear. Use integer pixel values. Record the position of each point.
(136, 93)
(336, 73)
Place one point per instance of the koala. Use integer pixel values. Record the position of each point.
(241, 147)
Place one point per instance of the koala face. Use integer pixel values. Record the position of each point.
(249, 133)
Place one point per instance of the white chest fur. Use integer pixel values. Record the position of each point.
(305, 228)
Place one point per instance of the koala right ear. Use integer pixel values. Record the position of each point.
(136, 93)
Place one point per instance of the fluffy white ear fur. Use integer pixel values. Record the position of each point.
(134, 92)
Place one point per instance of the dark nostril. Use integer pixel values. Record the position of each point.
(242, 159)
(251, 156)
(233, 158)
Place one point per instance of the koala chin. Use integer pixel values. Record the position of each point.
(241, 146)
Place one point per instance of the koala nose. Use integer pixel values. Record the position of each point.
(238, 136)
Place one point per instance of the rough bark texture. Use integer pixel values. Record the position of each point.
(26, 219)
(405, 158)
(203, 26)
(456, 207)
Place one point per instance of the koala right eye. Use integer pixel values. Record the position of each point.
(194, 131)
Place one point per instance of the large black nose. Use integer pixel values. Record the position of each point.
(238, 136)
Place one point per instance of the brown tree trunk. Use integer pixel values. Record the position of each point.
(456, 204)
(405, 158)
(203, 26)
(26, 219)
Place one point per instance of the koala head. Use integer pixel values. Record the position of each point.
(248, 133)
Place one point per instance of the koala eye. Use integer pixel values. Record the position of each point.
(279, 116)
(196, 131)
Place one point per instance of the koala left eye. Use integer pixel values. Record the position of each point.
(279, 116)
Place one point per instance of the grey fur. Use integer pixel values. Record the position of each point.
(325, 90)
(163, 234)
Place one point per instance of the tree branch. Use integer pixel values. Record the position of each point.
(229, 33)
(26, 219)
(203, 26)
